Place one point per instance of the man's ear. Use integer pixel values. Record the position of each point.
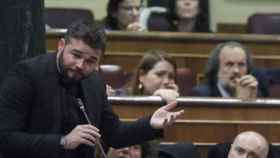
(61, 45)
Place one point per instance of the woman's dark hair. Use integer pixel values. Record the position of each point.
(148, 61)
(202, 19)
(111, 22)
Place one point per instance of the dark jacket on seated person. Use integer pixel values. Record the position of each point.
(210, 89)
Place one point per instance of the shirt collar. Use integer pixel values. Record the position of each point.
(222, 90)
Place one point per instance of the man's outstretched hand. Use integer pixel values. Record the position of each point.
(163, 116)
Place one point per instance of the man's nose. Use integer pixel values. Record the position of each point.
(135, 11)
(80, 64)
(236, 69)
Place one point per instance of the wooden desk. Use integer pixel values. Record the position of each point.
(188, 49)
(208, 120)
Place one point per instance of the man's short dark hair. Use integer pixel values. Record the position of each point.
(90, 33)
(213, 64)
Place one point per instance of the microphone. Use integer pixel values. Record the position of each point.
(82, 108)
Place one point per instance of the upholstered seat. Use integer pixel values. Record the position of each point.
(178, 150)
(114, 75)
(184, 80)
(264, 23)
(62, 17)
(273, 78)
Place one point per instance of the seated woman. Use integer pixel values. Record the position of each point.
(154, 75)
(189, 15)
(182, 16)
(123, 15)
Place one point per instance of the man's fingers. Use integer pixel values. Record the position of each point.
(247, 80)
(170, 106)
(91, 132)
(87, 142)
(179, 113)
(88, 136)
(90, 127)
(174, 115)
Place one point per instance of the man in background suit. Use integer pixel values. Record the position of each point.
(230, 73)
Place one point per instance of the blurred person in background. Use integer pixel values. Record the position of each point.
(230, 73)
(135, 151)
(123, 15)
(249, 144)
(177, 16)
(189, 15)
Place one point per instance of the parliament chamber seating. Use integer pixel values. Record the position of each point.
(158, 22)
(184, 80)
(178, 150)
(63, 17)
(114, 75)
(273, 77)
(188, 49)
(264, 23)
(207, 121)
(117, 78)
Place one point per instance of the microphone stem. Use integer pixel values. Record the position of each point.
(82, 108)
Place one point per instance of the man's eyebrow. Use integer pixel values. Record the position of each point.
(78, 51)
(81, 52)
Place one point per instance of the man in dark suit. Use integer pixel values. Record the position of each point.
(230, 73)
(55, 105)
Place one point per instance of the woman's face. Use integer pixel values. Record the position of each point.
(162, 75)
(128, 12)
(187, 8)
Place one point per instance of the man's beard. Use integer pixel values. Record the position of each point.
(66, 79)
(229, 87)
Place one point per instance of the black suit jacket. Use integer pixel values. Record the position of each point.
(211, 90)
(206, 90)
(30, 112)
